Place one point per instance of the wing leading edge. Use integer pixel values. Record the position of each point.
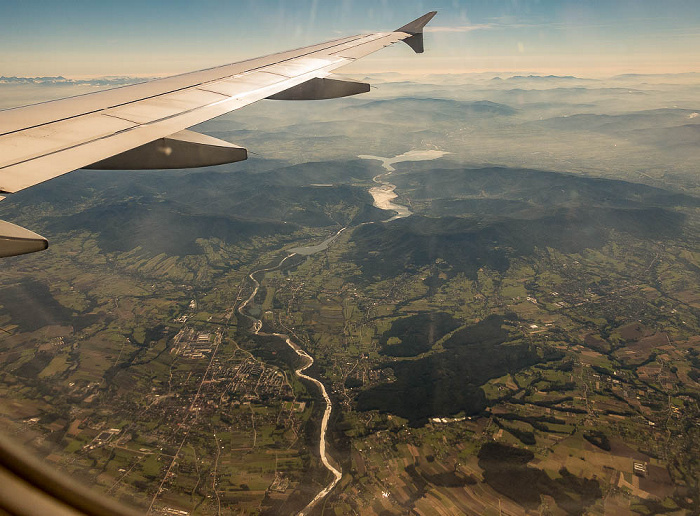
(141, 126)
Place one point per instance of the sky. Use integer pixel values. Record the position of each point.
(79, 38)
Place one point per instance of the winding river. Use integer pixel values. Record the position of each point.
(384, 194)
(312, 249)
(308, 362)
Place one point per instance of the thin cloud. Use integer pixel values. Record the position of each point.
(462, 28)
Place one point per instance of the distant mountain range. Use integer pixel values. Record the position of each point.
(60, 80)
(648, 119)
(438, 109)
(541, 78)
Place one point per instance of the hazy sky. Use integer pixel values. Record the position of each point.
(79, 38)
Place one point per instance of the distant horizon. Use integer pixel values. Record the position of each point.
(377, 66)
(87, 39)
(427, 73)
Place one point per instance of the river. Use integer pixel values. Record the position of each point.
(308, 362)
(384, 194)
(313, 249)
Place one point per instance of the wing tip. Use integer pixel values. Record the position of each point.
(416, 26)
(415, 31)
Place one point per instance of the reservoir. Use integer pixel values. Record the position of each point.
(384, 194)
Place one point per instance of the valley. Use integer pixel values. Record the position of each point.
(487, 309)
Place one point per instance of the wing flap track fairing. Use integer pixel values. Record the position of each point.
(184, 149)
(322, 88)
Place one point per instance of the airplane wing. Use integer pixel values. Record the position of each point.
(142, 126)
(42, 141)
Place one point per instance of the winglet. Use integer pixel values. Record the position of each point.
(416, 26)
(415, 29)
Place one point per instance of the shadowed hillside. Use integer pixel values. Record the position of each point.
(485, 217)
(163, 212)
